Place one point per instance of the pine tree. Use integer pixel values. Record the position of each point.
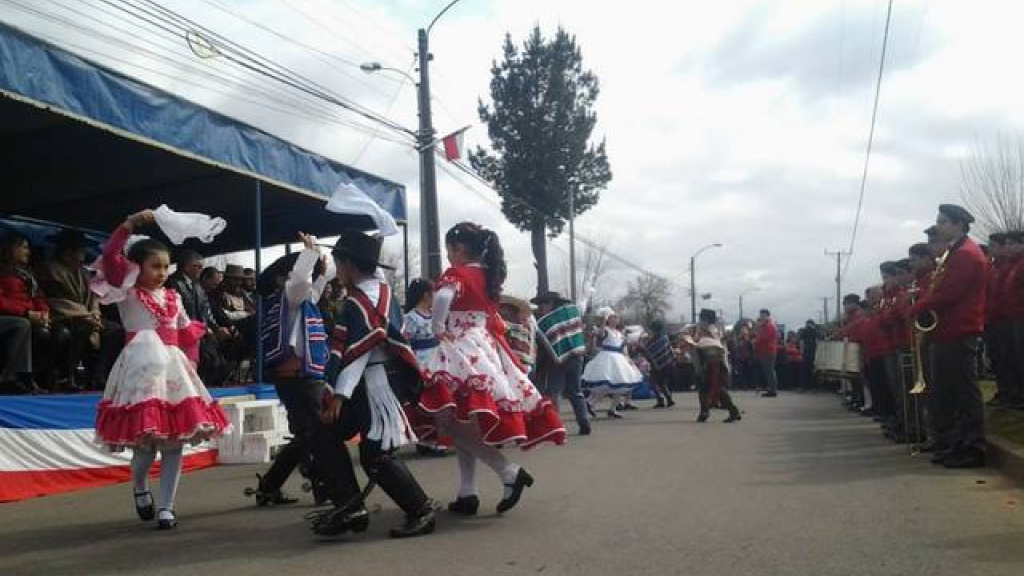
(540, 123)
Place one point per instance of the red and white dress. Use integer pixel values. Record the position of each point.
(153, 396)
(474, 372)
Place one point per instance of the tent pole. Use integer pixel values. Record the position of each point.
(258, 212)
(405, 254)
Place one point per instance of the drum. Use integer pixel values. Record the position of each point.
(828, 356)
(851, 358)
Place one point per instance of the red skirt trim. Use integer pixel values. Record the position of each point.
(190, 420)
(499, 422)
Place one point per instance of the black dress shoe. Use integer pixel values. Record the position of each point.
(337, 521)
(702, 417)
(671, 403)
(769, 395)
(144, 505)
(585, 430)
(734, 417)
(465, 505)
(968, 458)
(614, 414)
(933, 446)
(166, 520)
(659, 404)
(940, 456)
(522, 481)
(418, 524)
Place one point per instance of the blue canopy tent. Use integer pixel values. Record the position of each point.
(84, 146)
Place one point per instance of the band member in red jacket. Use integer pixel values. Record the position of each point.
(998, 329)
(766, 347)
(1013, 307)
(852, 331)
(956, 299)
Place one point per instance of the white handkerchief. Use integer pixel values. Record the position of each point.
(181, 225)
(348, 199)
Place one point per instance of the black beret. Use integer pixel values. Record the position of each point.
(851, 299)
(997, 237)
(956, 213)
(920, 250)
(888, 267)
(930, 232)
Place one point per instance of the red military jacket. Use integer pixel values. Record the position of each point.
(897, 320)
(994, 305)
(958, 297)
(1012, 293)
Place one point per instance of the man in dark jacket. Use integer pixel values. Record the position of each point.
(213, 368)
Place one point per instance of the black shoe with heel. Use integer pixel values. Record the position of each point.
(338, 521)
(419, 524)
(465, 505)
(166, 519)
(522, 481)
(144, 506)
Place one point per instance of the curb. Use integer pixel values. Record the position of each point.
(1006, 457)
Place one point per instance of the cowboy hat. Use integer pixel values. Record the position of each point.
(550, 296)
(359, 246)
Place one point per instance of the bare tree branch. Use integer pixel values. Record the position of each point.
(992, 184)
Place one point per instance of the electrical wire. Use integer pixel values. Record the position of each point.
(871, 138)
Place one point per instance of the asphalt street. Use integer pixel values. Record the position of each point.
(798, 487)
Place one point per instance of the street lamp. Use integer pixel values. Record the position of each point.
(430, 232)
(371, 67)
(693, 280)
(744, 293)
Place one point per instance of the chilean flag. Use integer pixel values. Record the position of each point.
(47, 447)
(452, 144)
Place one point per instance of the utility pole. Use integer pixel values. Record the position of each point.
(839, 277)
(693, 293)
(430, 233)
(741, 306)
(824, 307)
(572, 246)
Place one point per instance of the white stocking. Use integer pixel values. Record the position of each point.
(142, 461)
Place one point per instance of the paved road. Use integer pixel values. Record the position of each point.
(799, 487)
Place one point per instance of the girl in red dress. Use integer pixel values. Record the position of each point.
(475, 388)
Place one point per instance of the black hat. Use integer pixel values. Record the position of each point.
(68, 239)
(266, 282)
(903, 265)
(997, 237)
(359, 246)
(956, 213)
(920, 250)
(931, 231)
(550, 296)
(1015, 235)
(851, 299)
(707, 315)
(888, 267)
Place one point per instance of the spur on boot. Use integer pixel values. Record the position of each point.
(465, 505)
(418, 524)
(337, 521)
(165, 519)
(522, 481)
(144, 505)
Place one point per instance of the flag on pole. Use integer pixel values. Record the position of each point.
(453, 144)
(348, 199)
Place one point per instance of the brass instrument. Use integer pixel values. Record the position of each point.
(929, 319)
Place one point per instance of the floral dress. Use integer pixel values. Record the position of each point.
(474, 372)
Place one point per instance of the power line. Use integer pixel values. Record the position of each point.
(871, 137)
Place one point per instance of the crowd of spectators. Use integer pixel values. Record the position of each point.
(56, 337)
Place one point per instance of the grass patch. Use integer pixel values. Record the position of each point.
(1008, 424)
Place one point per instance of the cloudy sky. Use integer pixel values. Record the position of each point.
(742, 122)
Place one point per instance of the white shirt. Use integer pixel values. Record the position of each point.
(300, 287)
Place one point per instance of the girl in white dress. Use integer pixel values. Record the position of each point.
(154, 399)
(419, 330)
(611, 373)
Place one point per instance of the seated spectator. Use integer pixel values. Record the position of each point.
(213, 368)
(75, 315)
(232, 310)
(249, 286)
(210, 280)
(21, 298)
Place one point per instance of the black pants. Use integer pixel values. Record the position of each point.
(878, 384)
(999, 343)
(301, 398)
(335, 465)
(711, 389)
(660, 379)
(958, 414)
(73, 342)
(16, 347)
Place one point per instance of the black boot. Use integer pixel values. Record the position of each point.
(265, 497)
(522, 481)
(733, 417)
(703, 416)
(338, 521)
(420, 523)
